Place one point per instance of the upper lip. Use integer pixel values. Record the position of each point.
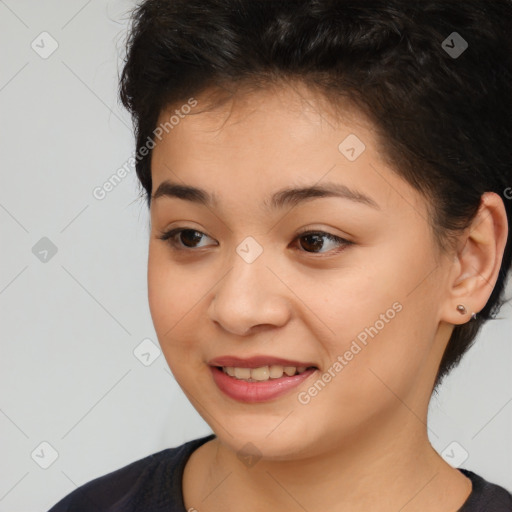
(256, 362)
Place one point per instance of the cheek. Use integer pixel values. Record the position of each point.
(169, 293)
(174, 296)
(381, 323)
(370, 375)
(159, 291)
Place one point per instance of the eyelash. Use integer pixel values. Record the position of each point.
(171, 235)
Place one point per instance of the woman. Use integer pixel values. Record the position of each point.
(329, 191)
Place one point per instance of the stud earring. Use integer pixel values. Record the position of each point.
(461, 309)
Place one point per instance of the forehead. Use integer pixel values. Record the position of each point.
(293, 101)
(270, 128)
(262, 141)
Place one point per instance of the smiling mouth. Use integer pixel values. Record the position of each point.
(264, 373)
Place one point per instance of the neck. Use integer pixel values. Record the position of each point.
(385, 465)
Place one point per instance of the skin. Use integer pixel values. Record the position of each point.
(362, 443)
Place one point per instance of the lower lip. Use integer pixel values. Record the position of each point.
(252, 392)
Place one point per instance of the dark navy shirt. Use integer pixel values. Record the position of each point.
(153, 484)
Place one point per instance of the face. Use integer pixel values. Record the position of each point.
(342, 287)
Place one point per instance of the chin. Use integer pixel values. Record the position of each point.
(264, 437)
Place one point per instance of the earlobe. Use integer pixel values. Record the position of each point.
(463, 311)
(476, 266)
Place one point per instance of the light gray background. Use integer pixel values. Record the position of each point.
(69, 326)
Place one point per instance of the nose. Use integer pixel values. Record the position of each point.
(250, 297)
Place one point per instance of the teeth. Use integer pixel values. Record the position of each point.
(263, 373)
(242, 373)
(289, 370)
(276, 372)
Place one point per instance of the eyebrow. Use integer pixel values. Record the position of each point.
(280, 199)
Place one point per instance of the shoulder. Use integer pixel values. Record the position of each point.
(485, 495)
(153, 481)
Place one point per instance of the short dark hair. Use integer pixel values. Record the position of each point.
(444, 119)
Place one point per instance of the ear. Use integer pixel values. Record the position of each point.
(478, 260)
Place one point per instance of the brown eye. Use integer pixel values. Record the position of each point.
(183, 238)
(310, 241)
(314, 241)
